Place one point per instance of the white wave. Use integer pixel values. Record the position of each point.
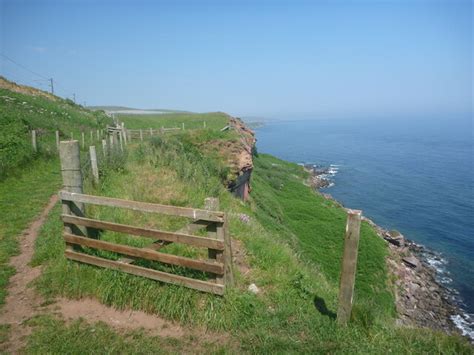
(465, 323)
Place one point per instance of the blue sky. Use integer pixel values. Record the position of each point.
(250, 58)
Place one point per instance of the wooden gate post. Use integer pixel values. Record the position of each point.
(57, 140)
(83, 140)
(349, 266)
(72, 180)
(92, 137)
(33, 141)
(95, 169)
(220, 231)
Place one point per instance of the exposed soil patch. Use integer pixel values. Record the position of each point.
(94, 311)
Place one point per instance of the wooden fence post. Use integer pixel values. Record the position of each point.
(57, 140)
(111, 140)
(151, 132)
(104, 147)
(162, 129)
(95, 169)
(182, 126)
(141, 135)
(72, 180)
(83, 140)
(33, 141)
(349, 266)
(220, 231)
(204, 124)
(98, 135)
(212, 204)
(92, 137)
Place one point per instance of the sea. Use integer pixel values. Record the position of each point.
(412, 174)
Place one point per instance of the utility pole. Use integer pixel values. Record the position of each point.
(51, 84)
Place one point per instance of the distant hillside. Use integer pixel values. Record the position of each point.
(23, 108)
(23, 89)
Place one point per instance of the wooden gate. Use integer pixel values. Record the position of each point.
(77, 234)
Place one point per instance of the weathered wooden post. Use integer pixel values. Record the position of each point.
(104, 147)
(98, 135)
(204, 124)
(83, 140)
(220, 231)
(92, 137)
(151, 132)
(95, 169)
(72, 180)
(141, 135)
(33, 141)
(182, 126)
(349, 266)
(57, 140)
(111, 140)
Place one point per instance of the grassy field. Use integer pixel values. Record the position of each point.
(295, 265)
(214, 120)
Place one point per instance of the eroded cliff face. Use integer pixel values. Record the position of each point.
(242, 158)
(237, 151)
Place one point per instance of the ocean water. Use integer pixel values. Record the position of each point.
(413, 175)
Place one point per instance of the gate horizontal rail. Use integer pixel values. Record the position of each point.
(219, 262)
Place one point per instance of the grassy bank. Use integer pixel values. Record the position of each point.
(315, 227)
(289, 246)
(20, 113)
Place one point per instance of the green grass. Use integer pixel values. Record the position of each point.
(214, 120)
(316, 227)
(53, 336)
(23, 196)
(292, 265)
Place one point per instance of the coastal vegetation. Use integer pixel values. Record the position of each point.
(287, 241)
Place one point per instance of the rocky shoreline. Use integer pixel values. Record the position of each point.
(421, 300)
(319, 176)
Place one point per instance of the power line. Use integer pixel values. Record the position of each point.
(51, 83)
(22, 66)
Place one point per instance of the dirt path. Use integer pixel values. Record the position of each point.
(23, 303)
